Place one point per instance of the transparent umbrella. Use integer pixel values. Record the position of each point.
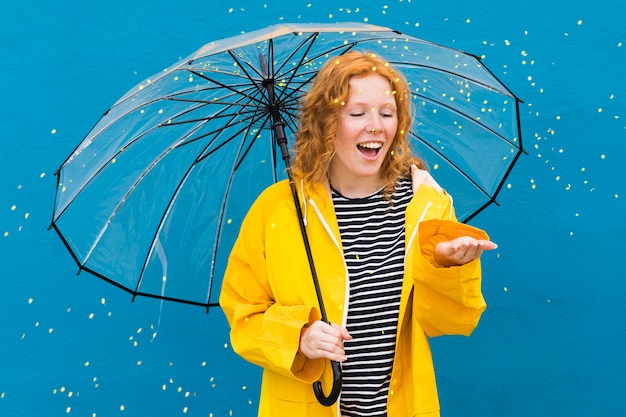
(151, 200)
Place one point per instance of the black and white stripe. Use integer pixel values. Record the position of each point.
(372, 234)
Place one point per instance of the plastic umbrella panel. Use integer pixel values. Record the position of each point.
(153, 197)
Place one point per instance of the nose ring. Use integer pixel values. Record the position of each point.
(372, 130)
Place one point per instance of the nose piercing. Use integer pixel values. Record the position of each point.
(372, 130)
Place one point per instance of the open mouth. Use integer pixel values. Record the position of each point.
(370, 149)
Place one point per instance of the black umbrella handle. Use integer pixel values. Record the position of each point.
(337, 377)
(334, 392)
(281, 139)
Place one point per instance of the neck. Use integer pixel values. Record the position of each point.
(356, 189)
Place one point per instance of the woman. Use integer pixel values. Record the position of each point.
(394, 265)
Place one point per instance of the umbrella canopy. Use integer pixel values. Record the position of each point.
(153, 197)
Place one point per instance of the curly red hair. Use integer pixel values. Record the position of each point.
(317, 117)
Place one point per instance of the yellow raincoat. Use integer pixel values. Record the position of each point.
(268, 296)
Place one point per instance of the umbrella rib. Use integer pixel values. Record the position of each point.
(466, 117)
(99, 170)
(115, 120)
(509, 169)
(309, 42)
(506, 91)
(223, 208)
(179, 186)
(252, 142)
(131, 143)
(139, 179)
(165, 97)
(303, 61)
(226, 86)
(249, 120)
(311, 74)
(119, 205)
(219, 115)
(173, 198)
(455, 166)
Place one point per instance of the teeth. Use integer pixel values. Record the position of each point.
(371, 145)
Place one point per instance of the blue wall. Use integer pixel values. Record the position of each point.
(551, 342)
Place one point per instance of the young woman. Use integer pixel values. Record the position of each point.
(394, 265)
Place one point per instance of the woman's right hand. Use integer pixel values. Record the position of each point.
(323, 340)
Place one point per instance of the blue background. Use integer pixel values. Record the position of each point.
(551, 342)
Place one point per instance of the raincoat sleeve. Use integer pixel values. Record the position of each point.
(448, 300)
(262, 331)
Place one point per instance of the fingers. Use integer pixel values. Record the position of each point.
(461, 250)
(322, 340)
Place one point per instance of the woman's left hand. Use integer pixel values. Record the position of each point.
(420, 176)
(461, 250)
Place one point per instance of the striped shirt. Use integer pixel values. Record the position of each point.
(372, 234)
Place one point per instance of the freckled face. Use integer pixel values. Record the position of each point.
(367, 124)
